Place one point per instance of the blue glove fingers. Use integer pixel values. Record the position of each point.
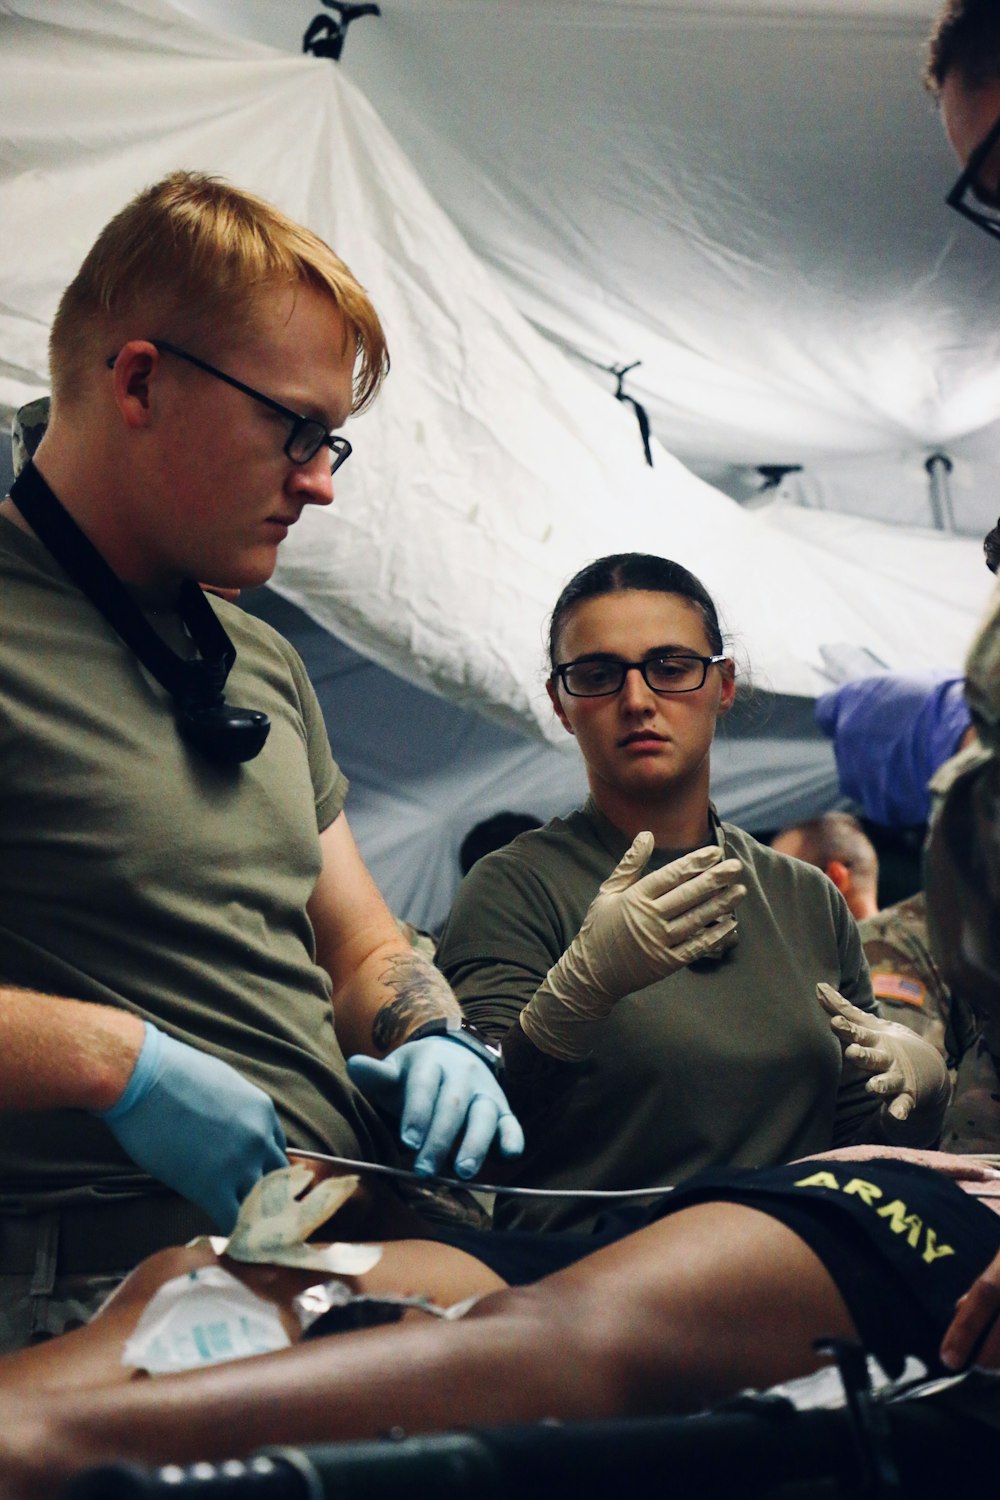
(510, 1136)
(471, 1108)
(378, 1079)
(489, 1122)
(450, 1106)
(438, 1080)
(248, 1172)
(442, 1093)
(480, 1130)
(197, 1125)
(406, 1083)
(249, 1142)
(424, 1107)
(273, 1156)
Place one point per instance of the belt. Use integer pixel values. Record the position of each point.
(97, 1238)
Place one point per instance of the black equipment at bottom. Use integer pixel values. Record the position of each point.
(759, 1447)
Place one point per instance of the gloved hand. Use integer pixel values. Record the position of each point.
(903, 1067)
(636, 931)
(194, 1123)
(442, 1093)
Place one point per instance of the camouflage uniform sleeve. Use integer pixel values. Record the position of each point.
(908, 984)
(910, 989)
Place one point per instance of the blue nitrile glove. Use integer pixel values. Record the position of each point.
(194, 1123)
(437, 1087)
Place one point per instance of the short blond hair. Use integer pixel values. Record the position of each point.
(201, 252)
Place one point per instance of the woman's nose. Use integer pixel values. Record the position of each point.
(635, 691)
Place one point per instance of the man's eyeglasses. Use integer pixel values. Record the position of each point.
(973, 199)
(603, 676)
(306, 437)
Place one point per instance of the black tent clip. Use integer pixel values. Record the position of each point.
(641, 415)
(325, 37)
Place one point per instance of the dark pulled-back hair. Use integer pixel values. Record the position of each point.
(966, 40)
(634, 570)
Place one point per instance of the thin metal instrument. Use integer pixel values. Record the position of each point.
(426, 1180)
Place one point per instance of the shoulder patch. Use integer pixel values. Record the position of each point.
(900, 988)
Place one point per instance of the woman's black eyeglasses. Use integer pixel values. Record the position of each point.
(603, 676)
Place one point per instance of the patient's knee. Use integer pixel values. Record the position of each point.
(573, 1344)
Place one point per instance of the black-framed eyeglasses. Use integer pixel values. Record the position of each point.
(974, 199)
(307, 435)
(603, 676)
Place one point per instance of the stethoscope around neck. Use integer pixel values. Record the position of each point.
(218, 730)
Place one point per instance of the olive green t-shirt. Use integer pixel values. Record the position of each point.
(730, 1061)
(136, 873)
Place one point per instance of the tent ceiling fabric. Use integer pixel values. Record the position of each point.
(747, 199)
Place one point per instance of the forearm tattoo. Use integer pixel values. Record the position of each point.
(420, 993)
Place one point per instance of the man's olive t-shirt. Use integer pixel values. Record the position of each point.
(135, 872)
(726, 1062)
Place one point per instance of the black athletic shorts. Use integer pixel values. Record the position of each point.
(901, 1242)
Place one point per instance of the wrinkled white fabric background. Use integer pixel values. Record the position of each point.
(746, 197)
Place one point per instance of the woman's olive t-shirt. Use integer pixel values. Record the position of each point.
(730, 1061)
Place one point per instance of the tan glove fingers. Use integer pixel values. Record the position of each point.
(731, 935)
(895, 1083)
(887, 1077)
(834, 1004)
(680, 871)
(697, 889)
(631, 865)
(711, 940)
(854, 1032)
(688, 923)
(906, 1067)
(879, 1065)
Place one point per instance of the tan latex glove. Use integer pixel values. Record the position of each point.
(902, 1066)
(636, 931)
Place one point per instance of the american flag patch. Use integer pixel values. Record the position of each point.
(898, 987)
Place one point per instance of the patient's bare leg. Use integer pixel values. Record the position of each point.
(91, 1356)
(687, 1311)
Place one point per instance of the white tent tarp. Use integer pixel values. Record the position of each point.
(491, 468)
(495, 464)
(745, 195)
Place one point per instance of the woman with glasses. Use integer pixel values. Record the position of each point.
(664, 1038)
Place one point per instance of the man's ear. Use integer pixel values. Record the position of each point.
(727, 697)
(553, 691)
(838, 872)
(133, 377)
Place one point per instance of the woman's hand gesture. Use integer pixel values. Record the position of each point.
(639, 929)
